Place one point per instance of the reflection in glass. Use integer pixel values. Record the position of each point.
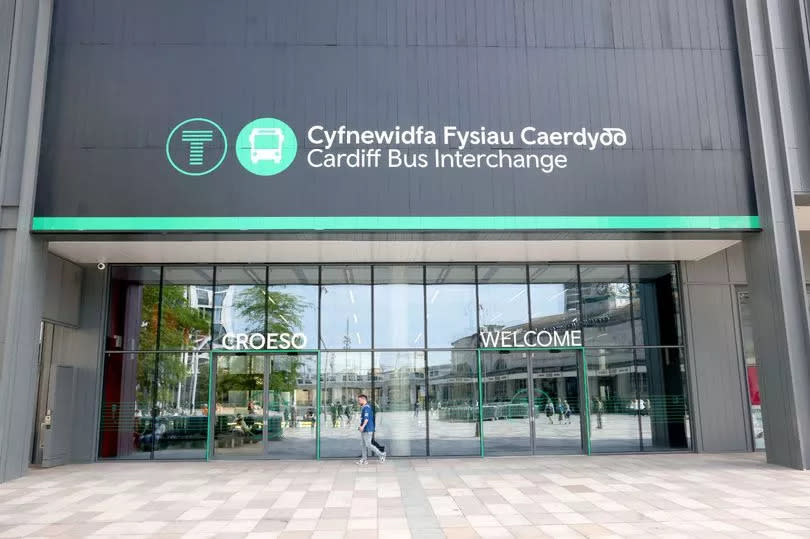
(239, 301)
(345, 307)
(451, 307)
(154, 405)
(186, 306)
(400, 395)
(181, 425)
(292, 302)
(606, 305)
(126, 408)
(555, 298)
(662, 386)
(291, 405)
(557, 410)
(133, 308)
(453, 398)
(399, 307)
(344, 375)
(751, 368)
(616, 407)
(239, 405)
(502, 298)
(505, 412)
(654, 289)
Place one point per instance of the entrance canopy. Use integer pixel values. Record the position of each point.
(395, 250)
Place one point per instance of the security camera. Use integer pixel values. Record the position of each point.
(101, 266)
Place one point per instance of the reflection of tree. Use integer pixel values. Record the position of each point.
(286, 379)
(284, 310)
(238, 382)
(283, 315)
(181, 325)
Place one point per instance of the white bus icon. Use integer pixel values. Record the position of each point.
(265, 144)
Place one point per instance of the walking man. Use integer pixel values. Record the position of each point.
(366, 429)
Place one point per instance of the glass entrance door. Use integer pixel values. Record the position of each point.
(265, 406)
(532, 402)
(556, 383)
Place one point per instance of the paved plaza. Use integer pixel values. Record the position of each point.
(675, 495)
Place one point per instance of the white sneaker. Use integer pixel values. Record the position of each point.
(382, 457)
(361, 462)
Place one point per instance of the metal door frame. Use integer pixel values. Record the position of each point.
(212, 381)
(584, 396)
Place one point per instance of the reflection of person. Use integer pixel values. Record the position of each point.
(333, 412)
(550, 411)
(310, 417)
(366, 429)
(348, 412)
(560, 411)
(241, 426)
(250, 407)
(600, 408)
(567, 412)
(339, 411)
(204, 409)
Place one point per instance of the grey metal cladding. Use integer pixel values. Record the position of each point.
(6, 33)
(123, 73)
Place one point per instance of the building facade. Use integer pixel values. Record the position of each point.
(521, 227)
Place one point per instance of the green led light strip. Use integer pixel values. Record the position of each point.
(609, 222)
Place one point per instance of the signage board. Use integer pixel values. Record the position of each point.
(227, 120)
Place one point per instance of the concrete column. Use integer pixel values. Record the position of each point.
(773, 258)
(22, 280)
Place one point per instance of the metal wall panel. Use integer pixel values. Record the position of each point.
(6, 31)
(63, 290)
(720, 409)
(664, 70)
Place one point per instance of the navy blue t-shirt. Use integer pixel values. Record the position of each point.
(367, 413)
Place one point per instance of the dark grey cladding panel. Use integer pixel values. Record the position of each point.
(124, 73)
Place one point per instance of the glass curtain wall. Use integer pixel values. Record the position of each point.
(156, 372)
(406, 336)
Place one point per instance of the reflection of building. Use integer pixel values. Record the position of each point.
(400, 381)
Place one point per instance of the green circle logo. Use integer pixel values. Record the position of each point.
(266, 146)
(196, 147)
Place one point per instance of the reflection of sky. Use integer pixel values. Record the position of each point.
(503, 305)
(547, 299)
(451, 313)
(399, 316)
(346, 311)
